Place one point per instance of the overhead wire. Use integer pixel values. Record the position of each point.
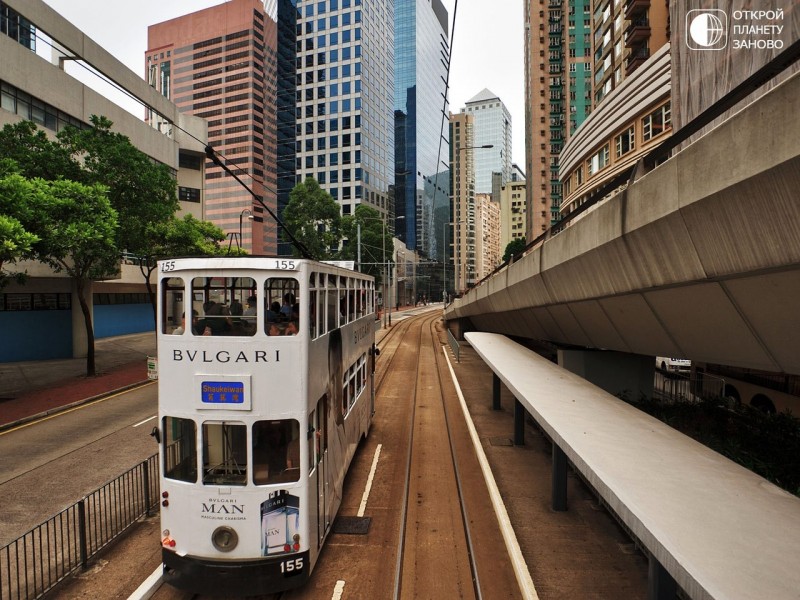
(211, 153)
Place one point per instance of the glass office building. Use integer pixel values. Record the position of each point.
(492, 128)
(422, 52)
(343, 99)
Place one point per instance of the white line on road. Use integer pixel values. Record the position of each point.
(149, 586)
(372, 470)
(146, 420)
(338, 590)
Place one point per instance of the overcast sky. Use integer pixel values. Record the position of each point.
(487, 47)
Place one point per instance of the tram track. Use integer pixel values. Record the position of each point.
(435, 554)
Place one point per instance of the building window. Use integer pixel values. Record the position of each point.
(625, 142)
(598, 161)
(187, 194)
(657, 122)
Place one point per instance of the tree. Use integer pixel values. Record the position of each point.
(141, 191)
(76, 226)
(312, 216)
(35, 154)
(16, 243)
(177, 237)
(514, 247)
(374, 240)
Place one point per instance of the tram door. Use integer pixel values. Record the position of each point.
(323, 476)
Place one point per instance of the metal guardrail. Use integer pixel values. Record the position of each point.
(36, 562)
(454, 346)
(677, 387)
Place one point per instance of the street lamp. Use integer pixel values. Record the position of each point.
(250, 217)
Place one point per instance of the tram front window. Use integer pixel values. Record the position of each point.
(224, 453)
(276, 451)
(180, 449)
(225, 305)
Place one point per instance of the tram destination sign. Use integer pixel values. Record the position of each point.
(222, 392)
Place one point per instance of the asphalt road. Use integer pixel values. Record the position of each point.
(48, 465)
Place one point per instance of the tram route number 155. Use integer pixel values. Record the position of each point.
(292, 567)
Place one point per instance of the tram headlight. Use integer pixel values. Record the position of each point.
(224, 539)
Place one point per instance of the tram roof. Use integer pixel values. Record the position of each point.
(257, 262)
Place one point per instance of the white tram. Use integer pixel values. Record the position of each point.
(265, 390)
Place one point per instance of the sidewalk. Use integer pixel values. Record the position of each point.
(31, 389)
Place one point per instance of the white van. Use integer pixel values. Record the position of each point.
(673, 364)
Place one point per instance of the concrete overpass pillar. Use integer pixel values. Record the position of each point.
(619, 373)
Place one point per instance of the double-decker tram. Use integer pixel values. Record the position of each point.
(265, 390)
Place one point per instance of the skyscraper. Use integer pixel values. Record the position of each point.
(344, 95)
(461, 226)
(221, 64)
(492, 128)
(287, 89)
(422, 53)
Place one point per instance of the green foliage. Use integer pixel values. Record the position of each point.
(77, 226)
(313, 217)
(16, 243)
(35, 154)
(513, 247)
(181, 237)
(141, 191)
(767, 444)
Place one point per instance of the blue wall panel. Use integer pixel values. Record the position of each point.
(122, 319)
(36, 335)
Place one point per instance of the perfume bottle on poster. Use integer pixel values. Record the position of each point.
(280, 522)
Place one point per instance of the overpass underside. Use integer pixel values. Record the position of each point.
(699, 258)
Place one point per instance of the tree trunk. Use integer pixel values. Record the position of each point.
(87, 319)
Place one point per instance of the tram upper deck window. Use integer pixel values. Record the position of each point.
(172, 305)
(276, 451)
(180, 449)
(224, 453)
(282, 304)
(225, 305)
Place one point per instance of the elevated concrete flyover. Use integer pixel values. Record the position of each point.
(699, 258)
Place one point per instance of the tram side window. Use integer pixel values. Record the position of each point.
(333, 304)
(354, 383)
(172, 305)
(312, 306)
(180, 449)
(276, 451)
(282, 304)
(224, 453)
(225, 306)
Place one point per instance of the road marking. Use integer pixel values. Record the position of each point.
(517, 560)
(372, 470)
(74, 408)
(146, 420)
(338, 590)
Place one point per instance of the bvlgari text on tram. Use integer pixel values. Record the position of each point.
(223, 356)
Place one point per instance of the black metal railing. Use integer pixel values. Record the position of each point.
(36, 562)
